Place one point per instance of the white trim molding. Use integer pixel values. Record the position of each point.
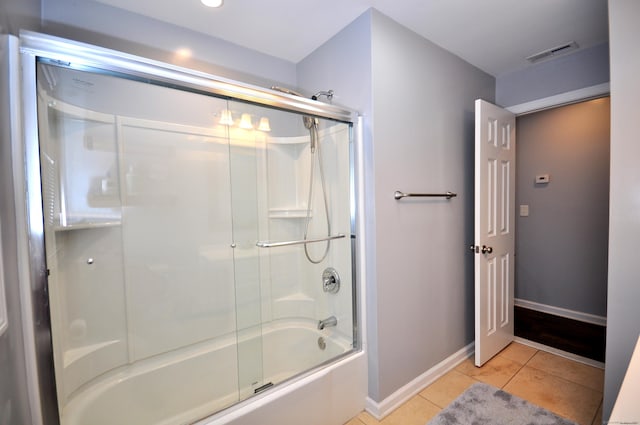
(562, 312)
(585, 93)
(560, 353)
(381, 409)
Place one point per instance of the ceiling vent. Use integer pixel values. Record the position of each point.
(554, 51)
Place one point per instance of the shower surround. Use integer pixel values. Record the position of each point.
(191, 254)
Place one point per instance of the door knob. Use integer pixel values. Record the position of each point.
(486, 249)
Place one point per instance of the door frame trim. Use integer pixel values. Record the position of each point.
(580, 95)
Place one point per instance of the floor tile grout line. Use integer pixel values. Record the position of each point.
(565, 379)
(596, 413)
(521, 367)
(518, 371)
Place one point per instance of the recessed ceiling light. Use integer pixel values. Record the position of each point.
(212, 3)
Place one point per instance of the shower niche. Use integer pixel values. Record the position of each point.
(185, 245)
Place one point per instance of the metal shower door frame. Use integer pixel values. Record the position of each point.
(29, 208)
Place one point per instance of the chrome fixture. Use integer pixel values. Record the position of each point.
(287, 91)
(328, 322)
(311, 124)
(399, 195)
(328, 94)
(269, 244)
(330, 280)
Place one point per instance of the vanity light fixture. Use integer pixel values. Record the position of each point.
(226, 118)
(213, 3)
(245, 122)
(264, 124)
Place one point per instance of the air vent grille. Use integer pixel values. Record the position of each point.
(554, 51)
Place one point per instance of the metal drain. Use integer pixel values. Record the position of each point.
(322, 344)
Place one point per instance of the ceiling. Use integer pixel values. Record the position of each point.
(494, 35)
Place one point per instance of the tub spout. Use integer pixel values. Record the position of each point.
(329, 321)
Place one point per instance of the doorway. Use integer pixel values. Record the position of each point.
(562, 214)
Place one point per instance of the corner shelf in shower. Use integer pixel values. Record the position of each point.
(288, 213)
(87, 225)
(295, 140)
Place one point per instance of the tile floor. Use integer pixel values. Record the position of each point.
(565, 387)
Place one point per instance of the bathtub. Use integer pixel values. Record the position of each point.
(184, 386)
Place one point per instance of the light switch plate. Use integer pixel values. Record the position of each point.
(524, 210)
(542, 178)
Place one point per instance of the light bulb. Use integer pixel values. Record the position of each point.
(226, 118)
(212, 3)
(245, 122)
(264, 124)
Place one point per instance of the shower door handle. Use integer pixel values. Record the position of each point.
(268, 244)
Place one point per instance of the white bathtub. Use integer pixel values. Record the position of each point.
(182, 387)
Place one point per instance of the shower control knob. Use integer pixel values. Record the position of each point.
(330, 280)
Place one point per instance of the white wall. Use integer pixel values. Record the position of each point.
(623, 320)
(14, 398)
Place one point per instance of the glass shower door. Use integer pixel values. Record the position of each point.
(199, 249)
(291, 191)
(138, 229)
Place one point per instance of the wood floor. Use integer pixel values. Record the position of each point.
(573, 336)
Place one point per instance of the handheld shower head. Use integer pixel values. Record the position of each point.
(310, 123)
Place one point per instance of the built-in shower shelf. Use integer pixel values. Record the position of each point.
(87, 225)
(288, 213)
(295, 140)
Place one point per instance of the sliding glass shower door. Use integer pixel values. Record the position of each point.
(175, 222)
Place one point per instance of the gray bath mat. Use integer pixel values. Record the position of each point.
(482, 404)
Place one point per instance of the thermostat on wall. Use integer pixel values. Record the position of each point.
(542, 178)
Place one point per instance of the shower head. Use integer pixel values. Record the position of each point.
(310, 123)
(328, 94)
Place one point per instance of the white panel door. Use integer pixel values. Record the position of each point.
(494, 245)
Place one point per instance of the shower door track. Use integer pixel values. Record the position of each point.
(268, 244)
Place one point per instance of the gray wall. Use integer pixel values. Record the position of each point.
(14, 402)
(423, 103)
(343, 64)
(623, 320)
(561, 246)
(96, 23)
(584, 68)
(420, 113)
(19, 14)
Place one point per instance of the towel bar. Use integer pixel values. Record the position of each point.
(399, 195)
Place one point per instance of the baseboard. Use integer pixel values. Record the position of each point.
(560, 353)
(562, 312)
(381, 409)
